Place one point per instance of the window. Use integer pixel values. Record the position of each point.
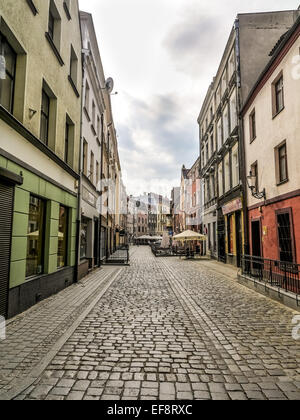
(97, 173)
(252, 126)
(215, 236)
(218, 97)
(224, 83)
(281, 163)
(231, 66)
(207, 152)
(227, 172)
(233, 112)
(51, 24)
(220, 179)
(285, 235)
(73, 66)
(54, 28)
(230, 233)
(35, 237)
(212, 146)
(219, 133)
(235, 166)
(225, 124)
(212, 187)
(62, 237)
(45, 113)
(277, 95)
(92, 168)
(98, 126)
(85, 153)
(254, 172)
(8, 59)
(93, 114)
(83, 237)
(87, 97)
(67, 136)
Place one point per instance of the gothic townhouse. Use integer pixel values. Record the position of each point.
(40, 114)
(222, 156)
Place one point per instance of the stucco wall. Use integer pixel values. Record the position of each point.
(272, 131)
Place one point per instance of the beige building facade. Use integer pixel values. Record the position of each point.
(40, 116)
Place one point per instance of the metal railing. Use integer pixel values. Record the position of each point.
(284, 275)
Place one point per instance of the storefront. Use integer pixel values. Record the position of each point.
(275, 230)
(38, 237)
(230, 231)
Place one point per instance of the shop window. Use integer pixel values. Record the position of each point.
(8, 59)
(62, 237)
(230, 222)
(35, 237)
(285, 235)
(83, 237)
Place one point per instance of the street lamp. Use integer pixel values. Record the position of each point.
(252, 185)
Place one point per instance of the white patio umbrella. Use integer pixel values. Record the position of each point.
(189, 235)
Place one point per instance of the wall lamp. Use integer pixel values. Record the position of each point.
(252, 185)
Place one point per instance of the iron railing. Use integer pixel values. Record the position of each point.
(284, 275)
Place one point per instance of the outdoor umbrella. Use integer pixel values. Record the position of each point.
(189, 235)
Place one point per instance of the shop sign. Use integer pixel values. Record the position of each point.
(233, 206)
(89, 197)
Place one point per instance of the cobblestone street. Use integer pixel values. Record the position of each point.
(172, 329)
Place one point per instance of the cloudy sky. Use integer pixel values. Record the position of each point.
(163, 55)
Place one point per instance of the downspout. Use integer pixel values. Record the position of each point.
(242, 156)
(101, 203)
(78, 221)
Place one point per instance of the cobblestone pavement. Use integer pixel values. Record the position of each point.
(169, 329)
(31, 335)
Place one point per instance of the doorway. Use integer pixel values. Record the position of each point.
(6, 211)
(256, 238)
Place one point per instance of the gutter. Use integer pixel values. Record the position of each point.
(78, 220)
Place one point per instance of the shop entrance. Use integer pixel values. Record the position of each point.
(6, 211)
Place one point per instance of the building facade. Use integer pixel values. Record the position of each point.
(271, 121)
(222, 153)
(40, 114)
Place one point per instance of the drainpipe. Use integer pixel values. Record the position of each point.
(78, 221)
(101, 171)
(242, 155)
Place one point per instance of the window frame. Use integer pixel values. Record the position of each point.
(277, 149)
(45, 117)
(275, 109)
(288, 211)
(12, 77)
(66, 238)
(252, 125)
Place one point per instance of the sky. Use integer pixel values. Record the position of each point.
(163, 55)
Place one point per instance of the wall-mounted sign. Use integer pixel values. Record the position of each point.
(233, 206)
